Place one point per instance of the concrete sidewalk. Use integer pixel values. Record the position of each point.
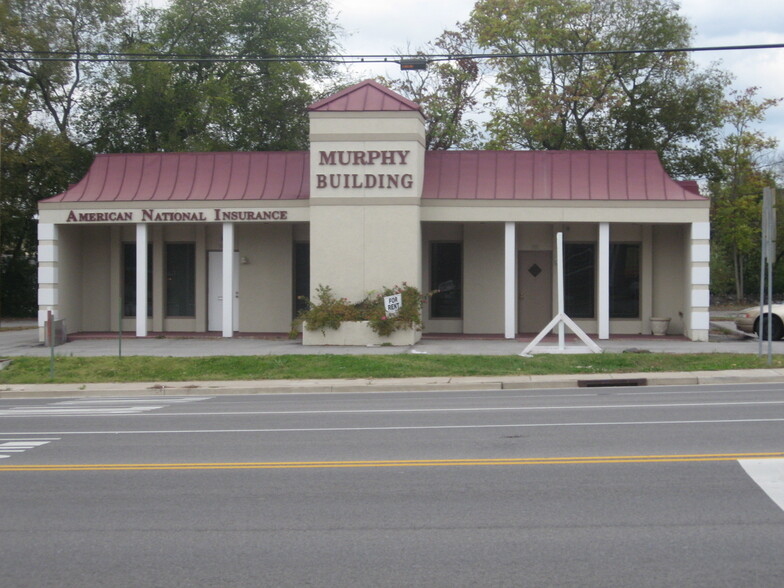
(25, 343)
(723, 340)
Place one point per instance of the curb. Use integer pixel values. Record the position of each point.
(481, 383)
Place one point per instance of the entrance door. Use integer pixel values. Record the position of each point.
(535, 290)
(215, 291)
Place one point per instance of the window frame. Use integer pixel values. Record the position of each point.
(191, 278)
(434, 277)
(299, 305)
(571, 312)
(638, 246)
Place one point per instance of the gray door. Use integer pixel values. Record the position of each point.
(535, 290)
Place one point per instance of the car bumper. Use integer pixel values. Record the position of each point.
(745, 324)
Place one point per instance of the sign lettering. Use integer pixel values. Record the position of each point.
(152, 215)
(393, 303)
(364, 181)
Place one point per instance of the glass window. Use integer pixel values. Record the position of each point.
(446, 276)
(624, 280)
(129, 279)
(579, 279)
(301, 276)
(180, 279)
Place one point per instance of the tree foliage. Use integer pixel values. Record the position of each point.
(448, 91)
(742, 171)
(560, 97)
(39, 154)
(215, 105)
(69, 27)
(55, 114)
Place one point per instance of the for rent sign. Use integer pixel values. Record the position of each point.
(392, 304)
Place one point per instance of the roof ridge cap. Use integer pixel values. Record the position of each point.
(321, 105)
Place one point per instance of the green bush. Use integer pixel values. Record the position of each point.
(328, 312)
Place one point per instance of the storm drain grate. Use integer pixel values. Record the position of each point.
(612, 382)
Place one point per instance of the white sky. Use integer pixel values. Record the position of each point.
(391, 25)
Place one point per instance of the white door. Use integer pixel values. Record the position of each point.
(215, 291)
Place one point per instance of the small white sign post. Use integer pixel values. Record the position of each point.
(392, 304)
(561, 318)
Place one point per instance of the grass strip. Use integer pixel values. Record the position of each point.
(31, 370)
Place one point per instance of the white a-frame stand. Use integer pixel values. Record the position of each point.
(561, 318)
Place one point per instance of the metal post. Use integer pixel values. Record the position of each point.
(769, 196)
(762, 288)
(767, 257)
(770, 310)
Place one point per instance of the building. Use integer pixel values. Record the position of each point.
(159, 241)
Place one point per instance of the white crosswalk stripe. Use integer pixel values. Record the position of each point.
(97, 406)
(141, 401)
(10, 446)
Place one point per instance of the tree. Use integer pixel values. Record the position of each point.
(561, 96)
(69, 28)
(736, 188)
(38, 102)
(216, 105)
(448, 91)
(54, 114)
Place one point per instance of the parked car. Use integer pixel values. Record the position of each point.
(748, 321)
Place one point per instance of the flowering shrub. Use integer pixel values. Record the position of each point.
(328, 312)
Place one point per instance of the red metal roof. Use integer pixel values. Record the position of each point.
(551, 175)
(449, 175)
(367, 96)
(170, 177)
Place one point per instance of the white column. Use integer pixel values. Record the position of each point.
(141, 280)
(604, 281)
(510, 278)
(48, 275)
(228, 280)
(699, 324)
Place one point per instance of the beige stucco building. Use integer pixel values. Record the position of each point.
(159, 241)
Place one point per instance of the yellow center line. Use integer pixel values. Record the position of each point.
(604, 459)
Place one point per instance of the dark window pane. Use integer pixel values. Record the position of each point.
(624, 280)
(180, 279)
(446, 276)
(301, 276)
(129, 279)
(579, 279)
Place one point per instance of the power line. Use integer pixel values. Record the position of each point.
(110, 57)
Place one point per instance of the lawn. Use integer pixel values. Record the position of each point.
(27, 370)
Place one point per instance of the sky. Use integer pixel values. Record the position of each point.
(402, 25)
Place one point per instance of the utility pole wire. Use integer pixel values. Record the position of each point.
(27, 55)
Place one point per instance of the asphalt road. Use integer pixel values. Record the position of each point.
(598, 487)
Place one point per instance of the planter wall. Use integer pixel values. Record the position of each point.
(358, 333)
